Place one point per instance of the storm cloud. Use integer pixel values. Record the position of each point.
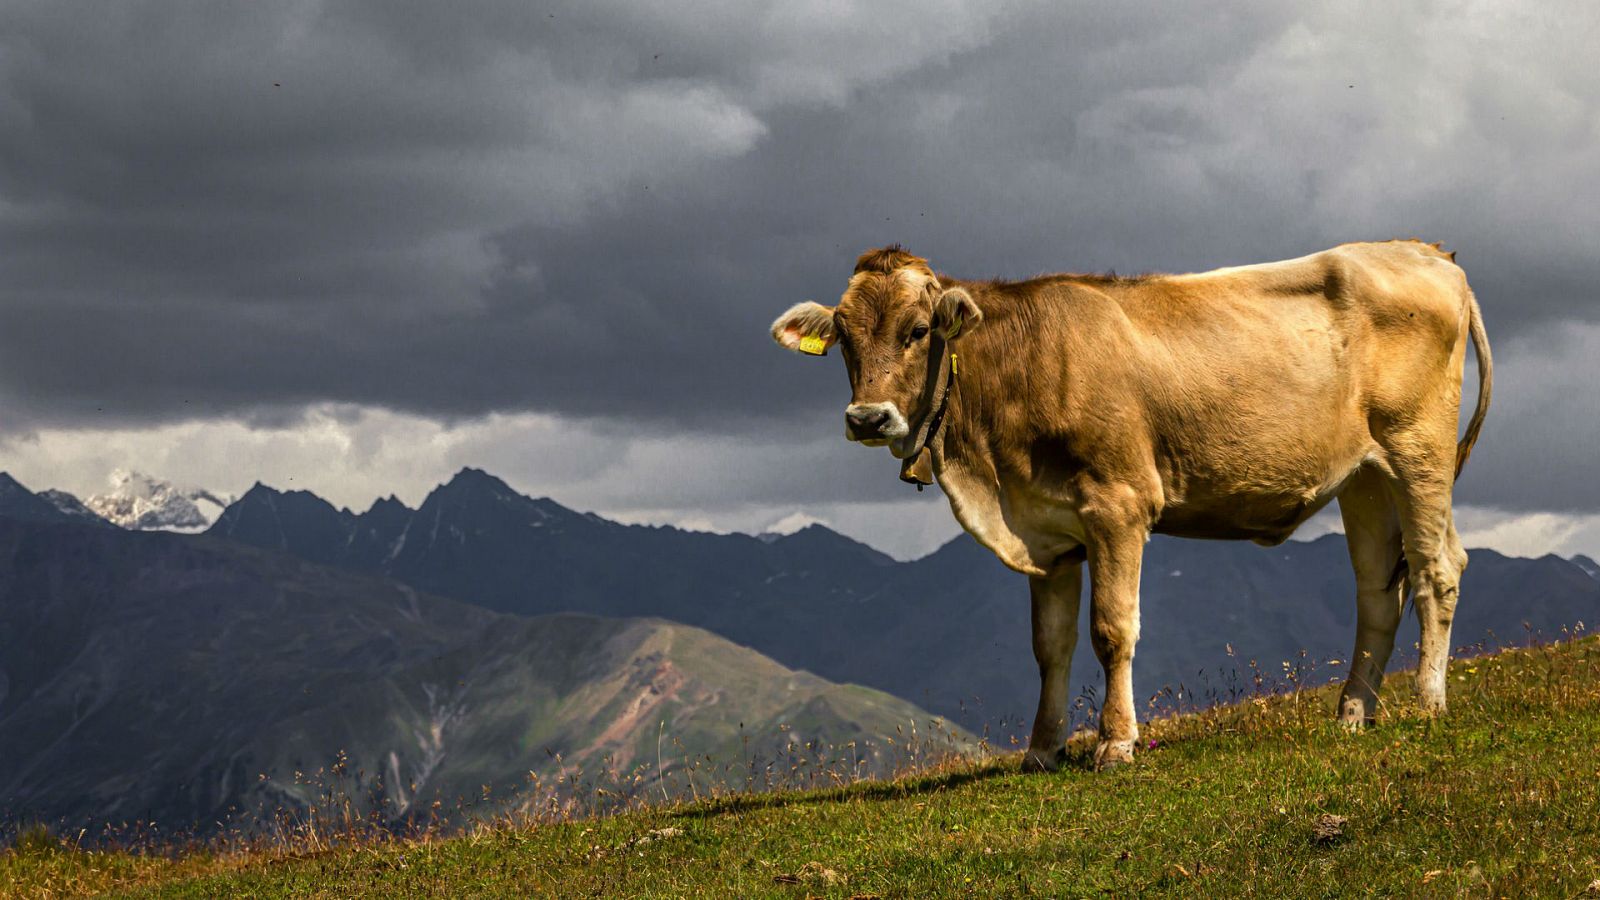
(589, 212)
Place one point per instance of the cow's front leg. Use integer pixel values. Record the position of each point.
(1055, 634)
(1114, 558)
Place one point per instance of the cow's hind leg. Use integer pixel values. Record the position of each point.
(1114, 559)
(1055, 635)
(1372, 531)
(1424, 470)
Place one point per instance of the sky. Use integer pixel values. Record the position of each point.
(352, 247)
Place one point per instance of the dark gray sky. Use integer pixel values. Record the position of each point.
(357, 244)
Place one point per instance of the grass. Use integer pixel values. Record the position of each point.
(1499, 798)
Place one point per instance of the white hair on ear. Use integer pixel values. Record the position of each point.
(956, 312)
(802, 320)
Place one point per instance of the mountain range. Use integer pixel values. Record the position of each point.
(474, 639)
(949, 632)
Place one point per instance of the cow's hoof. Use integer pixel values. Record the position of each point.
(1431, 703)
(1044, 760)
(1110, 754)
(1430, 695)
(1353, 715)
(1355, 725)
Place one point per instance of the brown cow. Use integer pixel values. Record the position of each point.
(1068, 417)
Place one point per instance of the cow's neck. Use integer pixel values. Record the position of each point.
(993, 358)
(990, 357)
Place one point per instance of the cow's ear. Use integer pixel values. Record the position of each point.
(805, 328)
(955, 312)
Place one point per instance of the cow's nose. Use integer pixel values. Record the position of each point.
(867, 421)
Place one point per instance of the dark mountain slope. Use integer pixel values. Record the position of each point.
(297, 521)
(1587, 565)
(159, 677)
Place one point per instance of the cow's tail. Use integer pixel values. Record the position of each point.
(1480, 345)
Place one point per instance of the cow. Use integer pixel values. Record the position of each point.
(1068, 417)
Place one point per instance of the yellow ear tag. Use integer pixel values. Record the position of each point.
(813, 345)
(952, 364)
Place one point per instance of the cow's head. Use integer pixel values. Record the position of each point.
(882, 327)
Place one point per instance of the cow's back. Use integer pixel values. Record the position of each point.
(1262, 384)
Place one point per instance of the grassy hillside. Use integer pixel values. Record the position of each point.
(1267, 799)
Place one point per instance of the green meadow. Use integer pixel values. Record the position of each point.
(1266, 798)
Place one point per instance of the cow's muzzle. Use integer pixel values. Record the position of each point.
(874, 424)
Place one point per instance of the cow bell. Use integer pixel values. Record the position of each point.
(918, 470)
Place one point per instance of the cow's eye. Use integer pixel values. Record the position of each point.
(919, 332)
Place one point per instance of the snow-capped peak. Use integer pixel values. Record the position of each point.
(145, 503)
